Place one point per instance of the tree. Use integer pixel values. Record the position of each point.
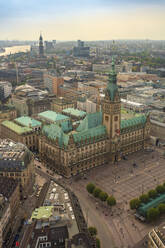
(161, 208)
(160, 189)
(103, 196)
(98, 245)
(152, 214)
(111, 201)
(90, 187)
(134, 203)
(92, 230)
(152, 193)
(96, 192)
(144, 198)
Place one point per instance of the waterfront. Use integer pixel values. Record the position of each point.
(15, 49)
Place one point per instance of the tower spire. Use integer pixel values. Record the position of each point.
(113, 74)
(41, 46)
(112, 82)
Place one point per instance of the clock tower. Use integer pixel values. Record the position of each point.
(111, 109)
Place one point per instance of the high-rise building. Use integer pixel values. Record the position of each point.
(41, 46)
(5, 90)
(81, 50)
(52, 81)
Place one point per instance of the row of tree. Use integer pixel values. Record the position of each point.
(154, 213)
(144, 198)
(98, 193)
(93, 233)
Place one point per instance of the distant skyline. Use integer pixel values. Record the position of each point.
(82, 19)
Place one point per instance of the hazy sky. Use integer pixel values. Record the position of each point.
(82, 19)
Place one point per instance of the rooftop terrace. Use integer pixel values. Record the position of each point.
(42, 212)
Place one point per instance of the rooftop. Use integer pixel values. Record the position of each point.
(52, 116)
(16, 128)
(13, 156)
(90, 121)
(74, 112)
(28, 121)
(90, 128)
(58, 197)
(7, 186)
(139, 120)
(42, 212)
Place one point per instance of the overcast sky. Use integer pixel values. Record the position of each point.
(82, 19)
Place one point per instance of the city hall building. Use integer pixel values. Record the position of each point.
(100, 138)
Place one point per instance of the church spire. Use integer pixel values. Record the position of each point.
(41, 46)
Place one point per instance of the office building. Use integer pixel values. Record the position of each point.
(52, 82)
(5, 90)
(80, 50)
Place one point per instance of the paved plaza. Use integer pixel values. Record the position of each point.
(117, 227)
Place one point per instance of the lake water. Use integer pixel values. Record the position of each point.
(15, 49)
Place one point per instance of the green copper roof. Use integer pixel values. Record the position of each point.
(112, 90)
(94, 132)
(53, 116)
(91, 128)
(133, 121)
(74, 112)
(54, 132)
(28, 121)
(66, 126)
(16, 128)
(112, 82)
(42, 212)
(90, 121)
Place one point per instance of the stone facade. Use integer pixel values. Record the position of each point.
(75, 159)
(17, 162)
(7, 112)
(61, 103)
(29, 137)
(101, 137)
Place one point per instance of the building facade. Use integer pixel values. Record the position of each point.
(4, 218)
(7, 112)
(9, 203)
(60, 103)
(17, 162)
(5, 90)
(53, 82)
(20, 133)
(156, 237)
(100, 138)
